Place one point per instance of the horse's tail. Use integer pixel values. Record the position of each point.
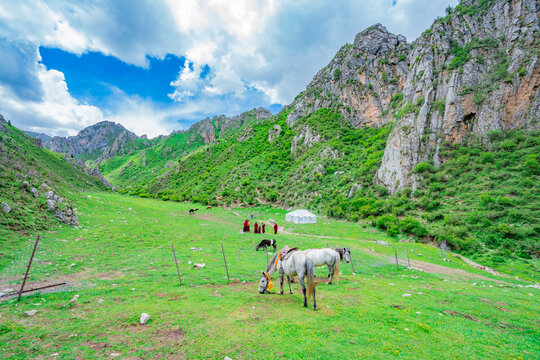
(310, 275)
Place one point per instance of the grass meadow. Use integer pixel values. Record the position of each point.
(120, 263)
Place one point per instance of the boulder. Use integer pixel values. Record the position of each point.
(49, 194)
(51, 204)
(25, 186)
(5, 207)
(30, 313)
(34, 192)
(144, 318)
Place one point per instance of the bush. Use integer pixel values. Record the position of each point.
(386, 221)
(423, 167)
(337, 74)
(412, 226)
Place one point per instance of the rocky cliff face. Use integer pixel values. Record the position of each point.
(474, 71)
(360, 81)
(212, 128)
(103, 139)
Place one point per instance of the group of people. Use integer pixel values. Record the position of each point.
(258, 229)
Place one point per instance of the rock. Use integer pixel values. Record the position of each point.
(227, 358)
(169, 164)
(50, 195)
(25, 186)
(380, 242)
(199, 266)
(246, 134)
(34, 192)
(51, 204)
(74, 300)
(273, 133)
(144, 318)
(30, 313)
(5, 207)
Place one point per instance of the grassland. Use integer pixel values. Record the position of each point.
(120, 263)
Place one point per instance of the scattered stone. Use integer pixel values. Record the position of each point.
(273, 133)
(199, 266)
(405, 295)
(5, 207)
(74, 300)
(51, 204)
(49, 195)
(144, 318)
(227, 358)
(100, 301)
(34, 192)
(30, 313)
(195, 249)
(115, 354)
(380, 242)
(25, 186)
(55, 354)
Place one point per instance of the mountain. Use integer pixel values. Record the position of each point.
(435, 139)
(37, 186)
(146, 159)
(98, 141)
(40, 136)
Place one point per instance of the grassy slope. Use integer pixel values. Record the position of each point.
(122, 256)
(21, 159)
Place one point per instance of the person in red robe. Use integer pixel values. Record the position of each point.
(275, 229)
(256, 226)
(263, 225)
(246, 226)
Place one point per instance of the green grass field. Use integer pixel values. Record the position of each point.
(121, 264)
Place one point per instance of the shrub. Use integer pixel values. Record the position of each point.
(386, 221)
(410, 225)
(337, 74)
(423, 167)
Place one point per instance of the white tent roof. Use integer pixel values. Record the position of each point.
(301, 216)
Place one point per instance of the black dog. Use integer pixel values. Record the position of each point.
(266, 243)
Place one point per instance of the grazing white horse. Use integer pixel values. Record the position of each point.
(328, 257)
(294, 263)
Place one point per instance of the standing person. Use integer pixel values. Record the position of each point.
(263, 226)
(256, 226)
(275, 229)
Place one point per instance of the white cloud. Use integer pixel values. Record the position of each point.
(274, 46)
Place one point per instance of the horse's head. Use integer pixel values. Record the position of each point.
(347, 255)
(265, 284)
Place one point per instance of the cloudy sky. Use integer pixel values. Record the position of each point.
(159, 65)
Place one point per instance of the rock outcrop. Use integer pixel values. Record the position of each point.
(211, 129)
(360, 81)
(60, 209)
(474, 71)
(92, 142)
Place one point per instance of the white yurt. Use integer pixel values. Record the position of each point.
(301, 216)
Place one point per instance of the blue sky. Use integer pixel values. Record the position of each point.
(160, 65)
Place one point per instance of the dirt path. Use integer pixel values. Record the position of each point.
(439, 269)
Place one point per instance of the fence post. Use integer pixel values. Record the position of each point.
(28, 269)
(397, 261)
(176, 262)
(352, 264)
(408, 261)
(225, 261)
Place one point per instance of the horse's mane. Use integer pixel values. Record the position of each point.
(340, 252)
(272, 262)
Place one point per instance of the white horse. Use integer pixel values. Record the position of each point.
(328, 257)
(294, 263)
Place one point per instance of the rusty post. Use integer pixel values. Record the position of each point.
(397, 261)
(176, 262)
(225, 261)
(28, 269)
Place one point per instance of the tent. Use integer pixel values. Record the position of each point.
(301, 217)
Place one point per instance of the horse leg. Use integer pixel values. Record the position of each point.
(330, 273)
(281, 282)
(289, 281)
(301, 279)
(314, 301)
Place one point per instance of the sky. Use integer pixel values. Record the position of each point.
(155, 66)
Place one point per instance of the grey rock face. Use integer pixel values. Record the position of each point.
(246, 134)
(305, 137)
(273, 133)
(5, 207)
(360, 81)
(456, 100)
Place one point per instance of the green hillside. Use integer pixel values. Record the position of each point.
(22, 160)
(482, 201)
